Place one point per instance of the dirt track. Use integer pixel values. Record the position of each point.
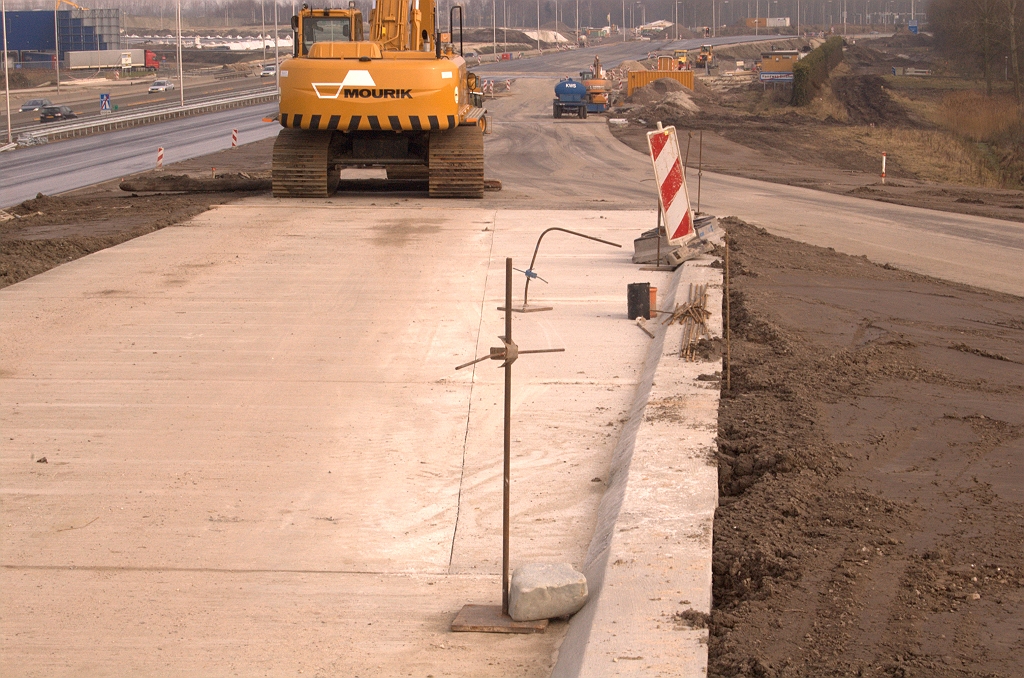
(870, 520)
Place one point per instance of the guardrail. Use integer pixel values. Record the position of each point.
(42, 134)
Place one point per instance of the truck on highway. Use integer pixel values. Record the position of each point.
(112, 58)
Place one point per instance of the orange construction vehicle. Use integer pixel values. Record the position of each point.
(392, 96)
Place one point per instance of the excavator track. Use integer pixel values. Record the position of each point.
(301, 167)
(456, 163)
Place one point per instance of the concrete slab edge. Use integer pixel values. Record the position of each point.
(650, 556)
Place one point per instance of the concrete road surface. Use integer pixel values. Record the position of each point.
(259, 456)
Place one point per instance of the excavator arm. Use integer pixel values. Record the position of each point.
(403, 25)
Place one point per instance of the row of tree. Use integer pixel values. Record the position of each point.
(987, 35)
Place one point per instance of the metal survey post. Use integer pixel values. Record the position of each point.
(531, 274)
(491, 618)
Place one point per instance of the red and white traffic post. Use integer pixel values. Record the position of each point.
(673, 197)
(160, 157)
(234, 138)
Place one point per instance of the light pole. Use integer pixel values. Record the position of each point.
(757, 16)
(181, 70)
(7, 81)
(56, 45)
(538, 25)
(277, 52)
(798, 18)
(263, 30)
(494, 29)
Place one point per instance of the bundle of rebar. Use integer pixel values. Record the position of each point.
(693, 315)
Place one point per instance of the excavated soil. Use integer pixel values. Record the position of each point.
(48, 231)
(867, 101)
(871, 518)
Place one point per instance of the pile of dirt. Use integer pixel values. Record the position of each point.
(867, 101)
(656, 91)
(870, 519)
(629, 65)
(664, 100)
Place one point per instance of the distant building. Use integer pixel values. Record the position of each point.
(780, 61)
(32, 32)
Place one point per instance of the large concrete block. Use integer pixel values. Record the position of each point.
(544, 591)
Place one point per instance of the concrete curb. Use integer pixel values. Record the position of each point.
(650, 556)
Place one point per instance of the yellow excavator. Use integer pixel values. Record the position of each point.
(395, 96)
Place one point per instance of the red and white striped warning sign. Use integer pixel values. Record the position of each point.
(160, 157)
(234, 138)
(673, 197)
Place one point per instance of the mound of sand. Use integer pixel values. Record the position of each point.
(632, 66)
(655, 92)
(676, 105)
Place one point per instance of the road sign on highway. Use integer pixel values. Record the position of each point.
(104, 103)
(673, 198)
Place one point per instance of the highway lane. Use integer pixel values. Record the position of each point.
(84, 96)
(67, 165)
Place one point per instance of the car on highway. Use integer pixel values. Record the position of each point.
(269, 71)
(51, 113)
(35, 105)
(161, 86)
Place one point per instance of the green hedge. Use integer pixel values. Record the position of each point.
(812, 71)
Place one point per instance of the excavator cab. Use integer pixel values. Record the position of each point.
(311, 26)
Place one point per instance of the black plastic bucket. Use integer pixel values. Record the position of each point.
(638, 300)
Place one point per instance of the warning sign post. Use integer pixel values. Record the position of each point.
(673, 198)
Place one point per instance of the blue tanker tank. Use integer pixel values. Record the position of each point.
(570, 98)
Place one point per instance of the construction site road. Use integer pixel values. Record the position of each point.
(571, 162)
(67, 165)
(258, 454)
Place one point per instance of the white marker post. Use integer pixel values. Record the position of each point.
(883, 167)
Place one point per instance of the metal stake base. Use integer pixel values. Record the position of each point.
(527, 309)
(490, 619)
